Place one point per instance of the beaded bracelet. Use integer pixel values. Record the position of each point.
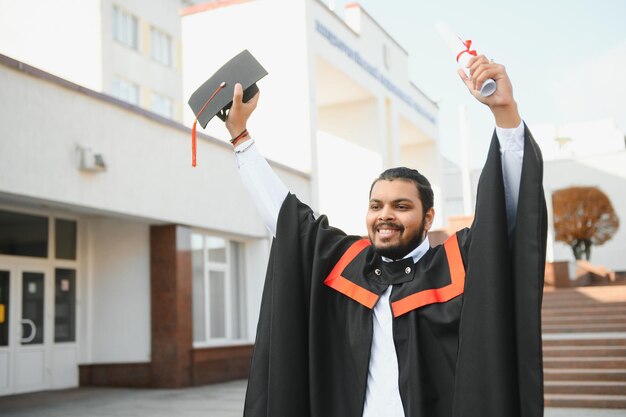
(236, 139)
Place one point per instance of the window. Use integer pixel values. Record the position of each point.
(65, 239)
(161, 45)
(126, 91)
(64, 305)
(218, 290)
(161, 105)
(32, 308)
(125, 28)
(23, 234)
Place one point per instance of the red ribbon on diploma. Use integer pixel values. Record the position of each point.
(468, 44)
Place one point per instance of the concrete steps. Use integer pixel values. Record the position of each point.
(583, 328)
(585, 401)
(586, 319)
(605, 375)
(584, 363)
(586, 387)
(583, 311)
(557, 304)
(584, 347)
(584, 351)
(619, 341)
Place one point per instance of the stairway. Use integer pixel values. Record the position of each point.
(584, 347)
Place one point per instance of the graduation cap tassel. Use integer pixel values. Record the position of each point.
(195, 122)
(193, 143)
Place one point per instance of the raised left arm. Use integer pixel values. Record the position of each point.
(509, 125)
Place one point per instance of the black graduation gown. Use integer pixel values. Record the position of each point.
(467, 316)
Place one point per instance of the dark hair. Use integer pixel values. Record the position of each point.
(424, 189)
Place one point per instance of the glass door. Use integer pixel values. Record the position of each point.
(33, 302)
(5, 331)
(32, 335)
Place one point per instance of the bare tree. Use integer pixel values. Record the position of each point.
(583, 216)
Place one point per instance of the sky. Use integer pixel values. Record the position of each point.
(566, 59)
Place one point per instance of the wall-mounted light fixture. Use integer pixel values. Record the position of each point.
(90, 160)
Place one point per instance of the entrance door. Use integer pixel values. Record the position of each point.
(25, 331)
(34, 316)
(5, 332)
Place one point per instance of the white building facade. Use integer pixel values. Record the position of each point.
(130, 49)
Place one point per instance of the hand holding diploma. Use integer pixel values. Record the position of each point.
(501, 102)
(486, 80)
(463, 52)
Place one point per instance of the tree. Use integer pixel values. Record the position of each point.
(583, 216)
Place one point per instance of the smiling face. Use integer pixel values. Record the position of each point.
(396, 222)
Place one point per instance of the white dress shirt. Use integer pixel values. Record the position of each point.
(382, 397)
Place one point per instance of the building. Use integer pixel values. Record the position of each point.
(452, 184)
(119, 263)
(589, 154)
(606, 172)
(128, 49)
(579, 139)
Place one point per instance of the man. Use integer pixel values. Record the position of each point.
(388, 326)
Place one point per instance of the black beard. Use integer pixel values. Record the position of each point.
(400, 251)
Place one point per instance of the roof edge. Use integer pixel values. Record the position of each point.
(211, 5)
(62, 82)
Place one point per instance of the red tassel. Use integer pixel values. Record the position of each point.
(193, 143)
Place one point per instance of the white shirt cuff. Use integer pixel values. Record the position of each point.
(511, 139)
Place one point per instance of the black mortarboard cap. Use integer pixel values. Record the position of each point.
(243, 69)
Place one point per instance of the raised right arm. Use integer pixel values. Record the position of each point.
(265, 188)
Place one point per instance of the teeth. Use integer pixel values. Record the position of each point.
(386, 232)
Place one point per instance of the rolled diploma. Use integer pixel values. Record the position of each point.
(456, 45)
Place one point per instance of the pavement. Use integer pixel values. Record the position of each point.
(220, 400)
